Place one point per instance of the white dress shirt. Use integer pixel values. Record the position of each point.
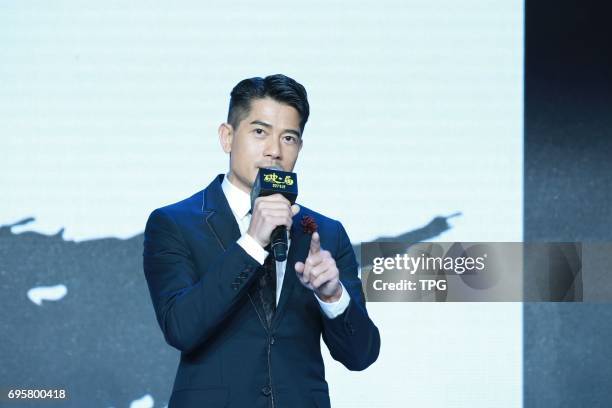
(240, 204)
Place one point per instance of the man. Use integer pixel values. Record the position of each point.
(249, 327)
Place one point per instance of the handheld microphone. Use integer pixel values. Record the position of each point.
(270, 181)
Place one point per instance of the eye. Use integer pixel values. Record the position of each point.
(290, 139)
(259, 131)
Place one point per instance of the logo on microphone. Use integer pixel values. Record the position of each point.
(277, 181)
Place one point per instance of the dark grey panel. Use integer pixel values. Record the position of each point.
(568, 195)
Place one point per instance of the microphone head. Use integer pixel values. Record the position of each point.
(274, 180)
(279, 168)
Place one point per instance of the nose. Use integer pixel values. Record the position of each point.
(273, 148)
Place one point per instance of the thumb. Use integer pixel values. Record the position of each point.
(315, 243)
(299, 267)
(295, 209)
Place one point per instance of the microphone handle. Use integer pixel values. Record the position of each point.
(278, 243)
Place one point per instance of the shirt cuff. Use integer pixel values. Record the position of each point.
(253, 248)
(335, 309)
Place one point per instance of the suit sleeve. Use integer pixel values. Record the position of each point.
(352, 337)
(188, 308)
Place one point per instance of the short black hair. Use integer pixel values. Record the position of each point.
(279, 87)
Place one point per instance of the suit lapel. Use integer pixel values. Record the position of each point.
(300, 243)
(218, 215)
(222, 223)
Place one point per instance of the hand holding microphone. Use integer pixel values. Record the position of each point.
(268, 213)
(272, 196)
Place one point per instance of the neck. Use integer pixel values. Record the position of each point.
(236, 183)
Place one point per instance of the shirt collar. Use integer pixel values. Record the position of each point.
(239, 201)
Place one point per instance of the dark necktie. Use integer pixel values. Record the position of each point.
(267, 287)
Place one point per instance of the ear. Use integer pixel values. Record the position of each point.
(226, 135)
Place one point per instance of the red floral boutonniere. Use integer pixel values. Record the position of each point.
(309, 225)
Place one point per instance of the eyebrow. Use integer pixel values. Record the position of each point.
(269, 126)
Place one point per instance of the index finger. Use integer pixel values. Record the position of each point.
(274, 197)
(315, 243)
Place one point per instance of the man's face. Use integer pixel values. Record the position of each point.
(268, 136)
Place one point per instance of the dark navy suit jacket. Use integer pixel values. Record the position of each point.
(201, 284)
